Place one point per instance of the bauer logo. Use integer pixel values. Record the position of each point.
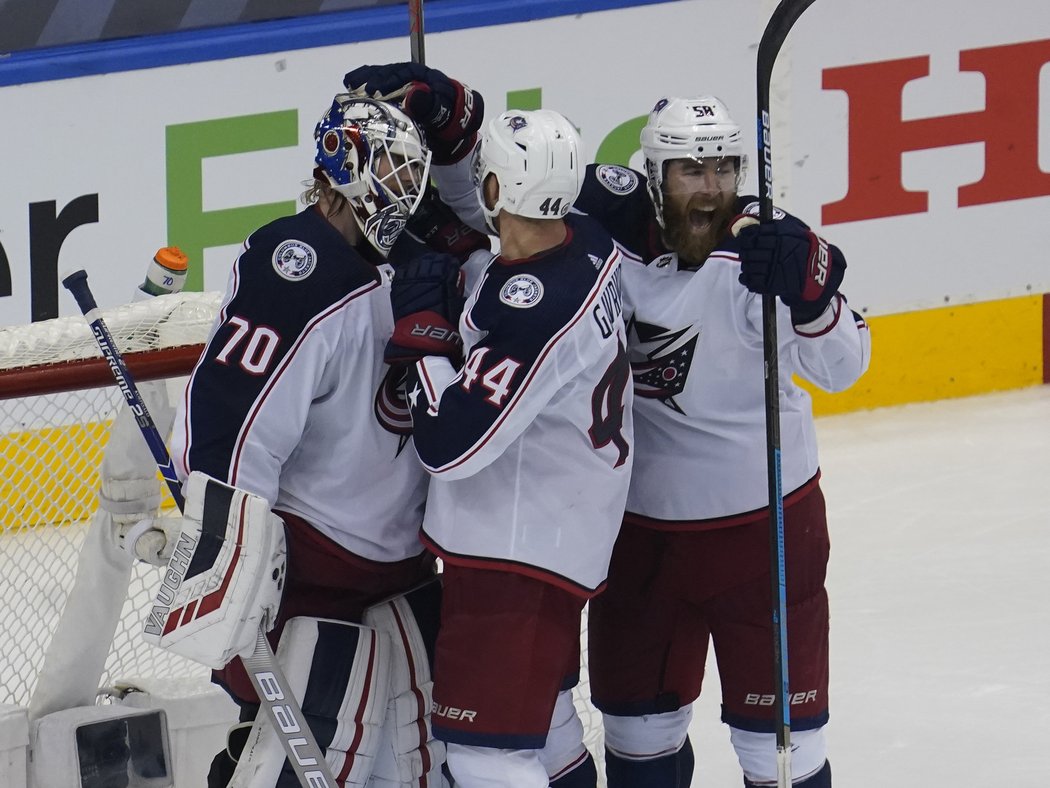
(294, 260)
(618, 180)
(522, 291)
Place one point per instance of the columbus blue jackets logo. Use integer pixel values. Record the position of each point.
(521, 291)
(385, 226)
(664, 372)
(391, 405)
(517, 122)
(294, 260)
(618, 180)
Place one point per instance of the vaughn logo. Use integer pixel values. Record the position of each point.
(169, 588)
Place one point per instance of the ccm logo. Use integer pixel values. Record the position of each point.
(754, 699)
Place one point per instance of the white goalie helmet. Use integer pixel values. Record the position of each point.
(535, 156)
(373, 154)
(688, 128)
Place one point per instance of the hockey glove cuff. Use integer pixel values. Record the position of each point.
(423, 334)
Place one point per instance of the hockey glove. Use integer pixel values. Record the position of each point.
(427, 299)
(449, 112)
(786, 259)
(437, 226)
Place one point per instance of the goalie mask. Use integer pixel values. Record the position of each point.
(535, 156)
(689, 128)
(374, 155)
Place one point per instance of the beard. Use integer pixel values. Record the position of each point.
(694, 225)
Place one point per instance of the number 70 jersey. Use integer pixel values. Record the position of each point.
(529, 442)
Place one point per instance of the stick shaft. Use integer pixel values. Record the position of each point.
(415, 30)
(776, 31)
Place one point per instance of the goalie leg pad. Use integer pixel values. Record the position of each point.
(224, 578)
(410, 755)
(339, 673)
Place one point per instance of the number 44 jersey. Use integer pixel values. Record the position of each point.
(529, 442)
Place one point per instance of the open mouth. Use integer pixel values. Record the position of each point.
(701, 220)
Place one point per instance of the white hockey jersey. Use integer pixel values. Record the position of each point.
(695, 343)
(530, 442)
(291, 399)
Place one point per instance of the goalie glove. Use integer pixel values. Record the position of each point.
(224, 577)
(427, 299)
(786, 259)
(449, 112)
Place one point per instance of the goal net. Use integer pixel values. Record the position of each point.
(57, 403)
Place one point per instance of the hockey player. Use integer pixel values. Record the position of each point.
(521, 413)
(291, 409)
(692, 562)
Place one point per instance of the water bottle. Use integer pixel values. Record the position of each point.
(167, 272)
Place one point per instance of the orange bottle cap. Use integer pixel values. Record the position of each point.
(172, 258)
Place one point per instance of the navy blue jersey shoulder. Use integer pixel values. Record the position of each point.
(302, 263)
(523, 304)
(615, 196)
(294, 270)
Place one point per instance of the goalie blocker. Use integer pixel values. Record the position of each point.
(224, 577)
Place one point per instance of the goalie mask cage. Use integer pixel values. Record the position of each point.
(57, 402)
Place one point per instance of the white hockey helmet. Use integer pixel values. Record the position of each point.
(535, 156)
(374, 155)
(688, 128)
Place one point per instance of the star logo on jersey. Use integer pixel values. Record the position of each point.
(664, 372)
(521, 291)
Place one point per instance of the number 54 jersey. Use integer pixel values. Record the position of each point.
(529, 442)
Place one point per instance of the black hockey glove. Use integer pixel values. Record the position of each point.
(427, 299)
(449, 112)
(786, 259)
(437, 226)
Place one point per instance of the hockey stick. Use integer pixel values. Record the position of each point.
(783, 17)
(415, 30)
(298, 741)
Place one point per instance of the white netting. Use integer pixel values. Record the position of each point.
(51, 448)
(164, 321)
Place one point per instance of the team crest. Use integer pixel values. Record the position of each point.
(294, 260)
(391, 405)
(517, 122)
(521, 291)
(385, 226)
(669, 355)
(752, 209)
(618, 180)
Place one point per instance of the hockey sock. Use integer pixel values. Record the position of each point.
(670, 771)
(819, 779)
(583, 776)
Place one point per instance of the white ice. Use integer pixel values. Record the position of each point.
(940, 610)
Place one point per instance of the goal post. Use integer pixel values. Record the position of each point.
(57, 405)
